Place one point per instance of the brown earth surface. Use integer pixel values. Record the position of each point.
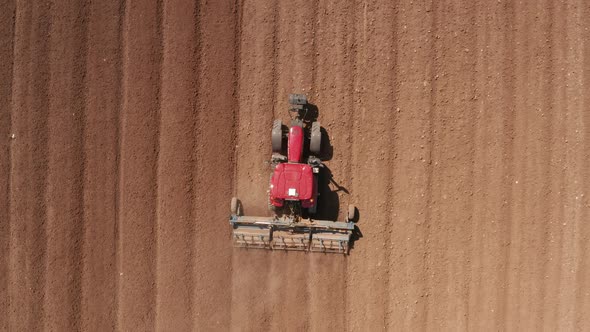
(460, 130)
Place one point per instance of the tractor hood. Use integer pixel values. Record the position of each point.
(292, 182)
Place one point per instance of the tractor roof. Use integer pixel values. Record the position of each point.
(292, 181)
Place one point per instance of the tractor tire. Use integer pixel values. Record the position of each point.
(277, 136)
(351, 212)
(315, 145)
(234, 206)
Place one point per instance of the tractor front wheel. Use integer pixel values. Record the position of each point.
(277, 136)
(315, 145)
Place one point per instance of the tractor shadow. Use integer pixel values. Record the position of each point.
(328, 200)
(329, 204)
(310, 113)
(327, 149)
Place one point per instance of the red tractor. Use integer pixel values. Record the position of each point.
(293, 193)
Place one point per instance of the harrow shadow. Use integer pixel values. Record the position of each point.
(329, 198)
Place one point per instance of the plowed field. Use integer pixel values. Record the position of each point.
(460, 130)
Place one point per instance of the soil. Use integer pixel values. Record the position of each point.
(460, 130)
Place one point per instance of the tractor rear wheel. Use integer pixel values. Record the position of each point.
(351, 212)
(315, 145)
(277, 136)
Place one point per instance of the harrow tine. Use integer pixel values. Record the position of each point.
(327, 241)
(290, 240)
(252, 237)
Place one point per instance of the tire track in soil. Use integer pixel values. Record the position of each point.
(390, 60)
(176, 221)
(278, 261)
(216, 109)
(138, 183)
(557, 192)
(332, 93)
(428, 212)
(531, 185)
(7, 34)
(293, 68)
(121, 83)
(354, 275)
(574, 207)
(582, 309)
(387, 83)
(354, 99)
(513, 259)
(29, 168)
(101, 144)
(64, 196)
(373, 122)
(550, 125)
(452, 161)
(487, 169)
(493, 159)
(508, 171)
(414, 83)
(251, 289)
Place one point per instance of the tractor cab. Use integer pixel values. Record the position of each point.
(293, 182)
